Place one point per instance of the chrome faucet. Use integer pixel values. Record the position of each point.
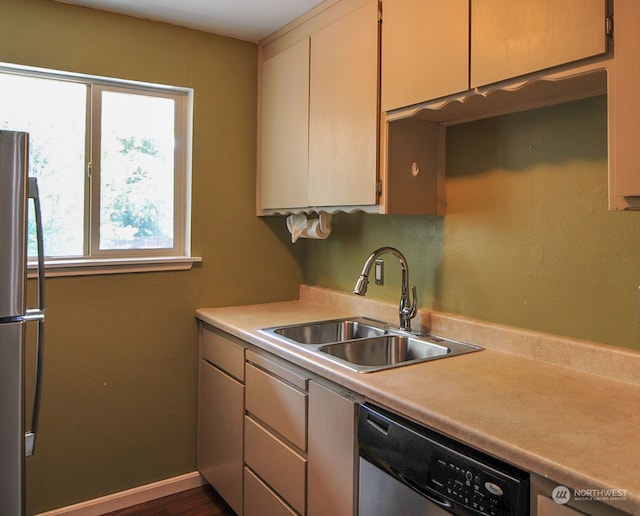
(408, 308)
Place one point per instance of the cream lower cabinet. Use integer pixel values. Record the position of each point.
(221, 414)
(332, 483)
(545, 491)
(547, 507)
(273, 439)
(275, 436)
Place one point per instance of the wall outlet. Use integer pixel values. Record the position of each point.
(379, 271)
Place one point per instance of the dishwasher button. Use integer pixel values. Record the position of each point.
(494, 489)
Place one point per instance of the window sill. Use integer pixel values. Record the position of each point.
(89, 267)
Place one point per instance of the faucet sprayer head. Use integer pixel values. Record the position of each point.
(361, 285)
(408, 307)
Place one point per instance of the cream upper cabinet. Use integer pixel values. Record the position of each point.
(425, 50)
(510, 38)
(343, 110)
(319, 112)
(284, 128)
(623, 111)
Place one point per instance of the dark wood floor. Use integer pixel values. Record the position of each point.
(201, 501)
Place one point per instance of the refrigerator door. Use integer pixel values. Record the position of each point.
(12, 446)
(13, 220)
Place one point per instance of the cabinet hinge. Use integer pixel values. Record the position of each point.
(608, 26)
(379, 12)
(379, 188)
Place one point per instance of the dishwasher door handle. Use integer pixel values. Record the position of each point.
(380, 426)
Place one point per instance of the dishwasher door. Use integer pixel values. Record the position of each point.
(407, 469)
(383, 495)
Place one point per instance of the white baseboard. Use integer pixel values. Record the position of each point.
(124, 499)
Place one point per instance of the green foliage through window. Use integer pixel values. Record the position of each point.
(107, 178)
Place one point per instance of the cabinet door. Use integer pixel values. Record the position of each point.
(284, 129)
(425, 50)
(332, 454)
(547, 507)
(515, 37)
(220, 425)
(343, 130)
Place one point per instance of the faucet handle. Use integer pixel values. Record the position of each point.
(411, 310)
(408, 310)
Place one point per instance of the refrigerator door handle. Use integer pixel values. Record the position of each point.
(38, 316)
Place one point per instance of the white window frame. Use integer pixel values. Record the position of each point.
(94, 260)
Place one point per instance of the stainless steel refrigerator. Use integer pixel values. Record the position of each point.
(17, 439)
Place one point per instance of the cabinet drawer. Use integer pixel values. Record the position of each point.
(260, 500)
(222, 352)
(277, 404)
(277, 464)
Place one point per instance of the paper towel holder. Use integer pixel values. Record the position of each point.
(300, 225)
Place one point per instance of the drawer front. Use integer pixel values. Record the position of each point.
(277, 404)
(260, 500)
(278, 465)
(280, 369)
(222, 352)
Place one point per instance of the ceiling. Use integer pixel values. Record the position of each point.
(250, 20)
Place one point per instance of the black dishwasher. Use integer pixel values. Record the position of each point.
(406, 469)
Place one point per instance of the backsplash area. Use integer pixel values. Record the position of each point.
(527, 239)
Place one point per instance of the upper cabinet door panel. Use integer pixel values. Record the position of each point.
(510, 38)
(343, 121)
(284, 154)
(425, 50)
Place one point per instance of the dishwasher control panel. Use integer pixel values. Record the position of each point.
(470, 484)
(459, 479)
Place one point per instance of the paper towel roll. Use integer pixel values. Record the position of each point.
(300, 226)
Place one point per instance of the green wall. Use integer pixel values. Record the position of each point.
(120, 380)
(527, 239)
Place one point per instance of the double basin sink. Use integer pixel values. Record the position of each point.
(365, 345)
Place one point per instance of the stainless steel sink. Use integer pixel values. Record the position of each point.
(324, 332)
(365, 345)
(385, 351)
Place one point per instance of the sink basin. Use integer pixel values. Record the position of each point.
(324, 332)
(385, 351)
(364, 345)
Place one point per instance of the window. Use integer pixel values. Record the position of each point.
(112, 162)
